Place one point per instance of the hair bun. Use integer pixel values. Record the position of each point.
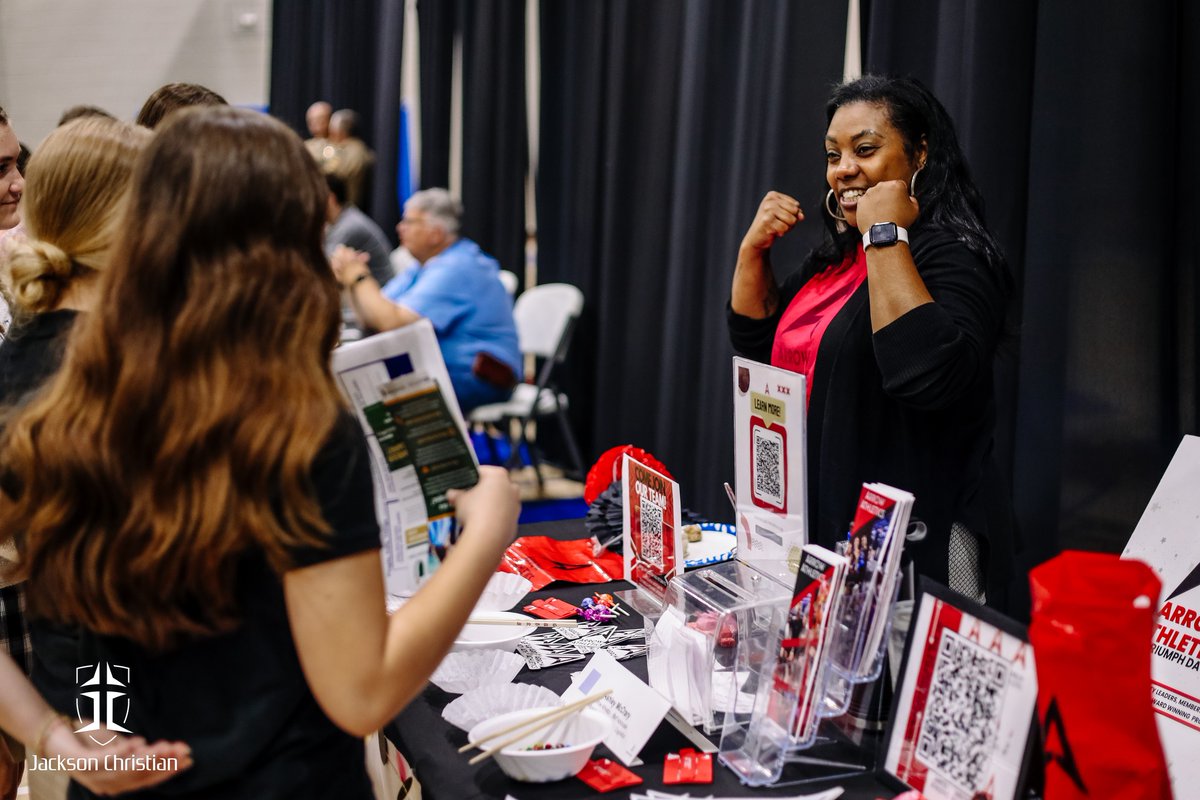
(38, 272)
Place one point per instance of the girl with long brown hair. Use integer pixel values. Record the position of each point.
(74, 196)
(194, 498)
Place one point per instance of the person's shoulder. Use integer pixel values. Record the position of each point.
(933, 241)
(931, 234)
(46, 325)
(356, 217)
(471, 252)
(344, 439)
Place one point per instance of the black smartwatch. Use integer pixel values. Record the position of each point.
(884, 234)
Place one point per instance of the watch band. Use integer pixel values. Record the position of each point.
(884, 234)
(359, 279)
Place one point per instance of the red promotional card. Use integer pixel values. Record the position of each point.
(605, 775)
(653, 534)
(551, 608)
(687, 766)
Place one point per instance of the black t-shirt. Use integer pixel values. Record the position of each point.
(240, 700)
(32, 352)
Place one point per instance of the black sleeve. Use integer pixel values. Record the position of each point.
(754, 338)
(934, 354)
(341, 476)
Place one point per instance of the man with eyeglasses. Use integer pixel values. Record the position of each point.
(455, 285)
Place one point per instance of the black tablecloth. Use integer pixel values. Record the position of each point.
(430, 743)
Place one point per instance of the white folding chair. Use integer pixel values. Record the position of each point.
(545, 317)
(510, 281)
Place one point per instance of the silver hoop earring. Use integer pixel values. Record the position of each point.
(836, 208)
(912, 182)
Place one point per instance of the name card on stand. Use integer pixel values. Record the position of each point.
(769, 453)
(651, 529)
(1167, 537)
(635, 709)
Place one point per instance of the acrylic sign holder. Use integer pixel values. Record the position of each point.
(759, 747)
(716, 628)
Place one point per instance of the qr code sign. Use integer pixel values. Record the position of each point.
(768, 467)
(962, 710)
(652, 532)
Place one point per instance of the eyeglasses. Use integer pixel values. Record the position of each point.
(406, 221)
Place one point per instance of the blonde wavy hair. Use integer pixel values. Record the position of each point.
(76, 186)
(178, 438)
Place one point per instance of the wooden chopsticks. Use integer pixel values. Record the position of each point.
(528, 726)
(527, 622)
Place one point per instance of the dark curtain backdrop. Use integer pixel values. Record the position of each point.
(346, 52)
(1076, 126)
(495, 145)
(385, 201)
(662, 127)
(1108, 383)
(438, 22)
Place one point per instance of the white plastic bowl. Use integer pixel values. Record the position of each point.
(496, 637)
(581, 731)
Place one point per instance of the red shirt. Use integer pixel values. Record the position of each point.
(798, 336)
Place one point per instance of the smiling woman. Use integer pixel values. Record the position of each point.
(894, 321)
(11, 181)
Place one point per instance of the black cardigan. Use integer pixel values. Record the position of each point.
(911, 406)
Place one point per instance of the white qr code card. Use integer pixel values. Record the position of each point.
(769, 433)
(965, 704)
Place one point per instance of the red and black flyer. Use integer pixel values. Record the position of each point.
(806, 634)
(653, 534)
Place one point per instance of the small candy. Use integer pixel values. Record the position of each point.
(587, 602)
(605, 599)
(597, 614)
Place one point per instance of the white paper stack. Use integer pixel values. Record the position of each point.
(678, 666)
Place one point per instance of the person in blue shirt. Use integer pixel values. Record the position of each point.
(453, 284)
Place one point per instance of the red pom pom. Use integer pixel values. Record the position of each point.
(608, 469)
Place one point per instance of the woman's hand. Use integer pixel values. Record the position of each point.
(777, 214)
(887, 201)
(494, 500)
(125, 765)
(348, 264)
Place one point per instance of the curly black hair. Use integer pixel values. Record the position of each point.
(944, 188)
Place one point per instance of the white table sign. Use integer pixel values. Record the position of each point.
(1167, 537)
(769, 453)
(634, 708)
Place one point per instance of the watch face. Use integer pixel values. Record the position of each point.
(883, 234)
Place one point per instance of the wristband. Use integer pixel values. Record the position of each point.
(359, 279)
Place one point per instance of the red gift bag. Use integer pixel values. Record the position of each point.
(1091, 631)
